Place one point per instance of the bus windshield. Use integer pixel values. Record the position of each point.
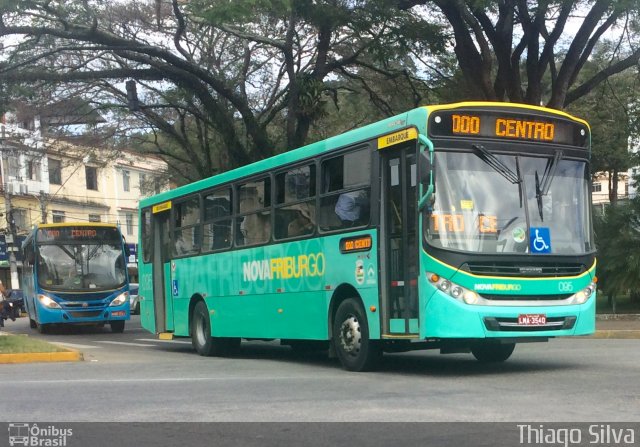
(81, 267)
(497, 203)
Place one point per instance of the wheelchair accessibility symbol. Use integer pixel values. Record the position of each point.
(540, 240)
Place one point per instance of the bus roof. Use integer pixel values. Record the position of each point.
(415, 117)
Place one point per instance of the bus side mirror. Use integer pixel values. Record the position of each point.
(425, 168)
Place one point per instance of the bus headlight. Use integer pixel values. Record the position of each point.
(120, 299)
(48, 302)
(582, 296)
(453, 290)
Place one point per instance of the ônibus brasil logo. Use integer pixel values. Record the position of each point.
(33, 435)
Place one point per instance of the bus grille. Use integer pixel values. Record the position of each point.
(88, 314)
(563, 296)
(511, 324)
(529, 269)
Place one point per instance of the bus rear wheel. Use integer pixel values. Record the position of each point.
(201, 338)
(486, 352)
(354, 348)
(117, 326)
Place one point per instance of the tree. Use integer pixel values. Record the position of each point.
(526, 51)
(245, 75)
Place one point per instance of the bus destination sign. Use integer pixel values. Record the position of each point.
(472, 124)
(78, 234)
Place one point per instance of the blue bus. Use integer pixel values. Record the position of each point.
(75, 273)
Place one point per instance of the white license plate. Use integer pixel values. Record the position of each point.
(532, 319)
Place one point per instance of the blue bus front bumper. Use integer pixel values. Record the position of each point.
(89, 314)
(449, 318)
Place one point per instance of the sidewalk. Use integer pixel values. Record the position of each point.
(617, 326)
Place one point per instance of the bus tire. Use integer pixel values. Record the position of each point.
(117, 326)
(354, 348)
(201, 338)
(487, 352)
(42, 328)
(32, 323)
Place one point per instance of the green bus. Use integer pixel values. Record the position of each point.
(463, 227)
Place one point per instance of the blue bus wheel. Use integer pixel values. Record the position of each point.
(43, 328)
(117, 326)
(32, 323)
(356, 351)
(487, 352)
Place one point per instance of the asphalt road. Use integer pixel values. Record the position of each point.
(134, 377)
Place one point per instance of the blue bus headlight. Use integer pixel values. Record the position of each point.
(48, 302)
(120, 299)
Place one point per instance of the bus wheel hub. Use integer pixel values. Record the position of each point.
(350, 335)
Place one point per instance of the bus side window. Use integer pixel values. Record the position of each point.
(186, 234)
(217, 220)
(295, 213)
(346, 186)
(254, 204)
(147, 245)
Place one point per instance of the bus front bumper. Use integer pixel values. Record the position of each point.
(89, 315)
(449, 318)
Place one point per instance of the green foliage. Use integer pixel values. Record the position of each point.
(617, 233)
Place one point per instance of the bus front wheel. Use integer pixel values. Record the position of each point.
(117, 326)
(32, 323)
(492, 352)
(354, 348)
(42, 328)
(201, 338)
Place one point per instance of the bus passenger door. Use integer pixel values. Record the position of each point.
(399, 241)
(161, 240)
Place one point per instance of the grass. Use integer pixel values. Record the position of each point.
(624, 305)
(20, 344)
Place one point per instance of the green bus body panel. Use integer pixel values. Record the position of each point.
(274, 291)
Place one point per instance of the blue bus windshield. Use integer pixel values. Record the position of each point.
(81, 267)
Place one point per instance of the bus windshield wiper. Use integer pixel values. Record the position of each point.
(496, 164)
(542, 188)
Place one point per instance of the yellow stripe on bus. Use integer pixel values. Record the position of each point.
(397, 138)
(161, 207)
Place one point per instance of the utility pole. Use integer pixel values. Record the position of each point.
(11, 240)
(43, 207)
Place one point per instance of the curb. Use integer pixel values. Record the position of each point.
(36, 357)
(617, 317)
(616, 334)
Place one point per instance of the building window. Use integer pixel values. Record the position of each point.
(125, 180)
(142, 178)
(92, 177)
(13, 167)
(33, 170)
(58, 216)
(20, 219)
(55, 172)
(596, 187)
(129, 223)
(94, 218)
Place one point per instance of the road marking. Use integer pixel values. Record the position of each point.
(124, 343)
(169, 379)
(75, 346)
(164, 341)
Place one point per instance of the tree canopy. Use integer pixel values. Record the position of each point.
(220, 83)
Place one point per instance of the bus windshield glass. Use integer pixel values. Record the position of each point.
(497, 203)
(81, 261)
